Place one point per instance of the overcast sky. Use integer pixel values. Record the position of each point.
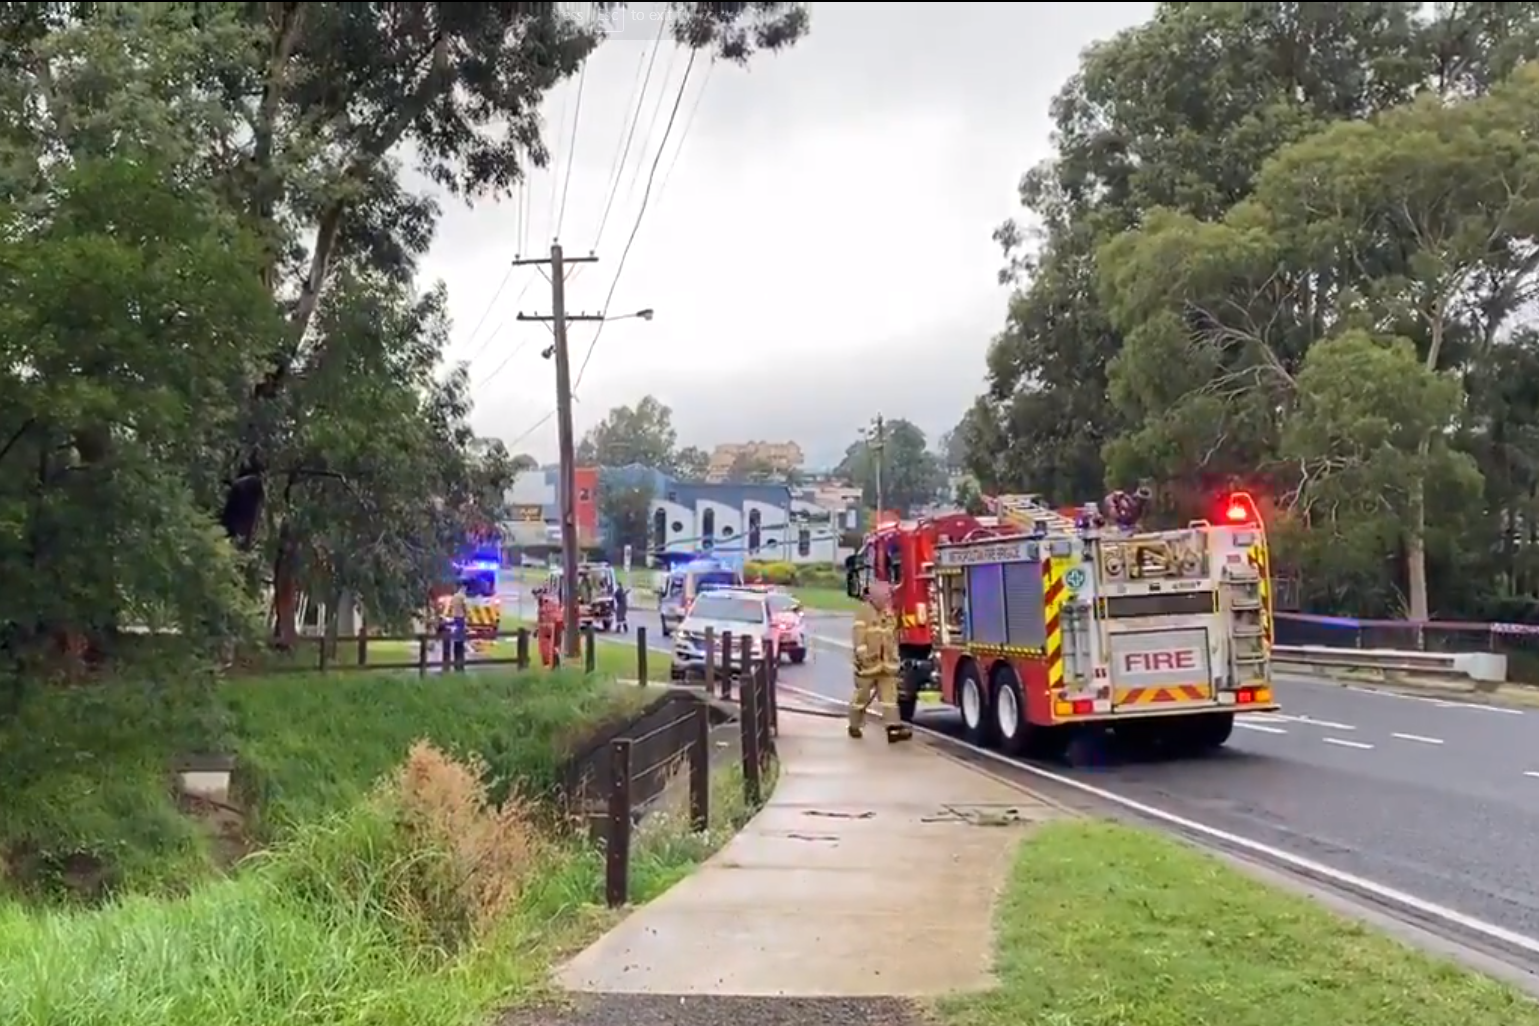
(816, 246)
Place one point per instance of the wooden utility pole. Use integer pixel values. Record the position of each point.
(558, 320)
(879, 449)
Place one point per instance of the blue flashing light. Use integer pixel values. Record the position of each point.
(480, 565)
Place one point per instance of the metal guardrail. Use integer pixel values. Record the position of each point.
(1458, 668)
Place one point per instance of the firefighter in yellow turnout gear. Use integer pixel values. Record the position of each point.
(875, 645)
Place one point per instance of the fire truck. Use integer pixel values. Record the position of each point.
(901, 553)
(1159, 636)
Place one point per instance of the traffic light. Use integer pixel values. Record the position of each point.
(1240, 508)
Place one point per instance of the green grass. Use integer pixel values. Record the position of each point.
(312, 930)
(828, 599)
(1105, 925)
(85, 771)
(313, 745)
(614, 655)
(254, 950)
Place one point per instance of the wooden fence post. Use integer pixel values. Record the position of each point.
(641, 656)
(617, 847)
(700, 769)
(771, 698)
(590, 650)
(748, 722)
(422, 655)
(745, 664)
(521, 648)
(710, 661)
(726, 664)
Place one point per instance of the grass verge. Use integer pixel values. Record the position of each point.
(1105, 925)
(85, 771)
(828, 599)
(344, 925)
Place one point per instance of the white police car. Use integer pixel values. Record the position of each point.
(739, 612)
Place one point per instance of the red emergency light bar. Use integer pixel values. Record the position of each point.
(1240, 508)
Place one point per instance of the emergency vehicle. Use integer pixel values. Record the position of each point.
(1160, 636)
(596, 593)
(478, 574)
(901, 553)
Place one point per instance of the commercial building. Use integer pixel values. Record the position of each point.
(782, 457)
(534, 504)
(747, 521)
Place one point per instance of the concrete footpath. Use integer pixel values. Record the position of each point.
(872, 872)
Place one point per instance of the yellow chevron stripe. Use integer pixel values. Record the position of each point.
(1052, 574)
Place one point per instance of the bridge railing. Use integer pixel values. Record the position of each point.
(1518, 642)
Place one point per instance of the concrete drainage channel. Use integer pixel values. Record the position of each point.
(1484, 946)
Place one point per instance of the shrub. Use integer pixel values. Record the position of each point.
(771, 572)
(822, 575)
(429, 855)
(787, 575)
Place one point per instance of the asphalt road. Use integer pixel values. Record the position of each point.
(1439, 799)
(1436, 798)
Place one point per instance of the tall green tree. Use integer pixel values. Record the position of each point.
(911, 475)
(641, 434)
(1176, 353)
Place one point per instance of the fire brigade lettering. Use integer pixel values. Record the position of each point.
(1159, 662)
(1008, 552)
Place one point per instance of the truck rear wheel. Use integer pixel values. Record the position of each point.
(1010, 722)
(974, 704)
(1018, 736)
(1211, 730)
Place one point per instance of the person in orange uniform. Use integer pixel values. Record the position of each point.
(875, 644)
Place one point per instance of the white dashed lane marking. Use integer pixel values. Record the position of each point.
(1343, 743)
(1531, 773)
(1420, 738)
(1261, 728)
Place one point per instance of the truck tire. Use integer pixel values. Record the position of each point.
(1211, 730)
(798, 655)
(1009, 707)
(973, 701)
(1018, 736)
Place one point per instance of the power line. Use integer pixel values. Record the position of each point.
(550, 216)
(571, 149)
(523, 217)
(624, 150)
(536, 426)
(662, 96)
(488, 340)
(645, 197)
(489, 304)
(689, 122)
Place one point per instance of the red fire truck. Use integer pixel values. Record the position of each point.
(1160, 636)
(901, 552)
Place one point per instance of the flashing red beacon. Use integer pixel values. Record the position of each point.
(1240, 508)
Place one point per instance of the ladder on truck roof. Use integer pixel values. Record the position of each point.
(1027, 511)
